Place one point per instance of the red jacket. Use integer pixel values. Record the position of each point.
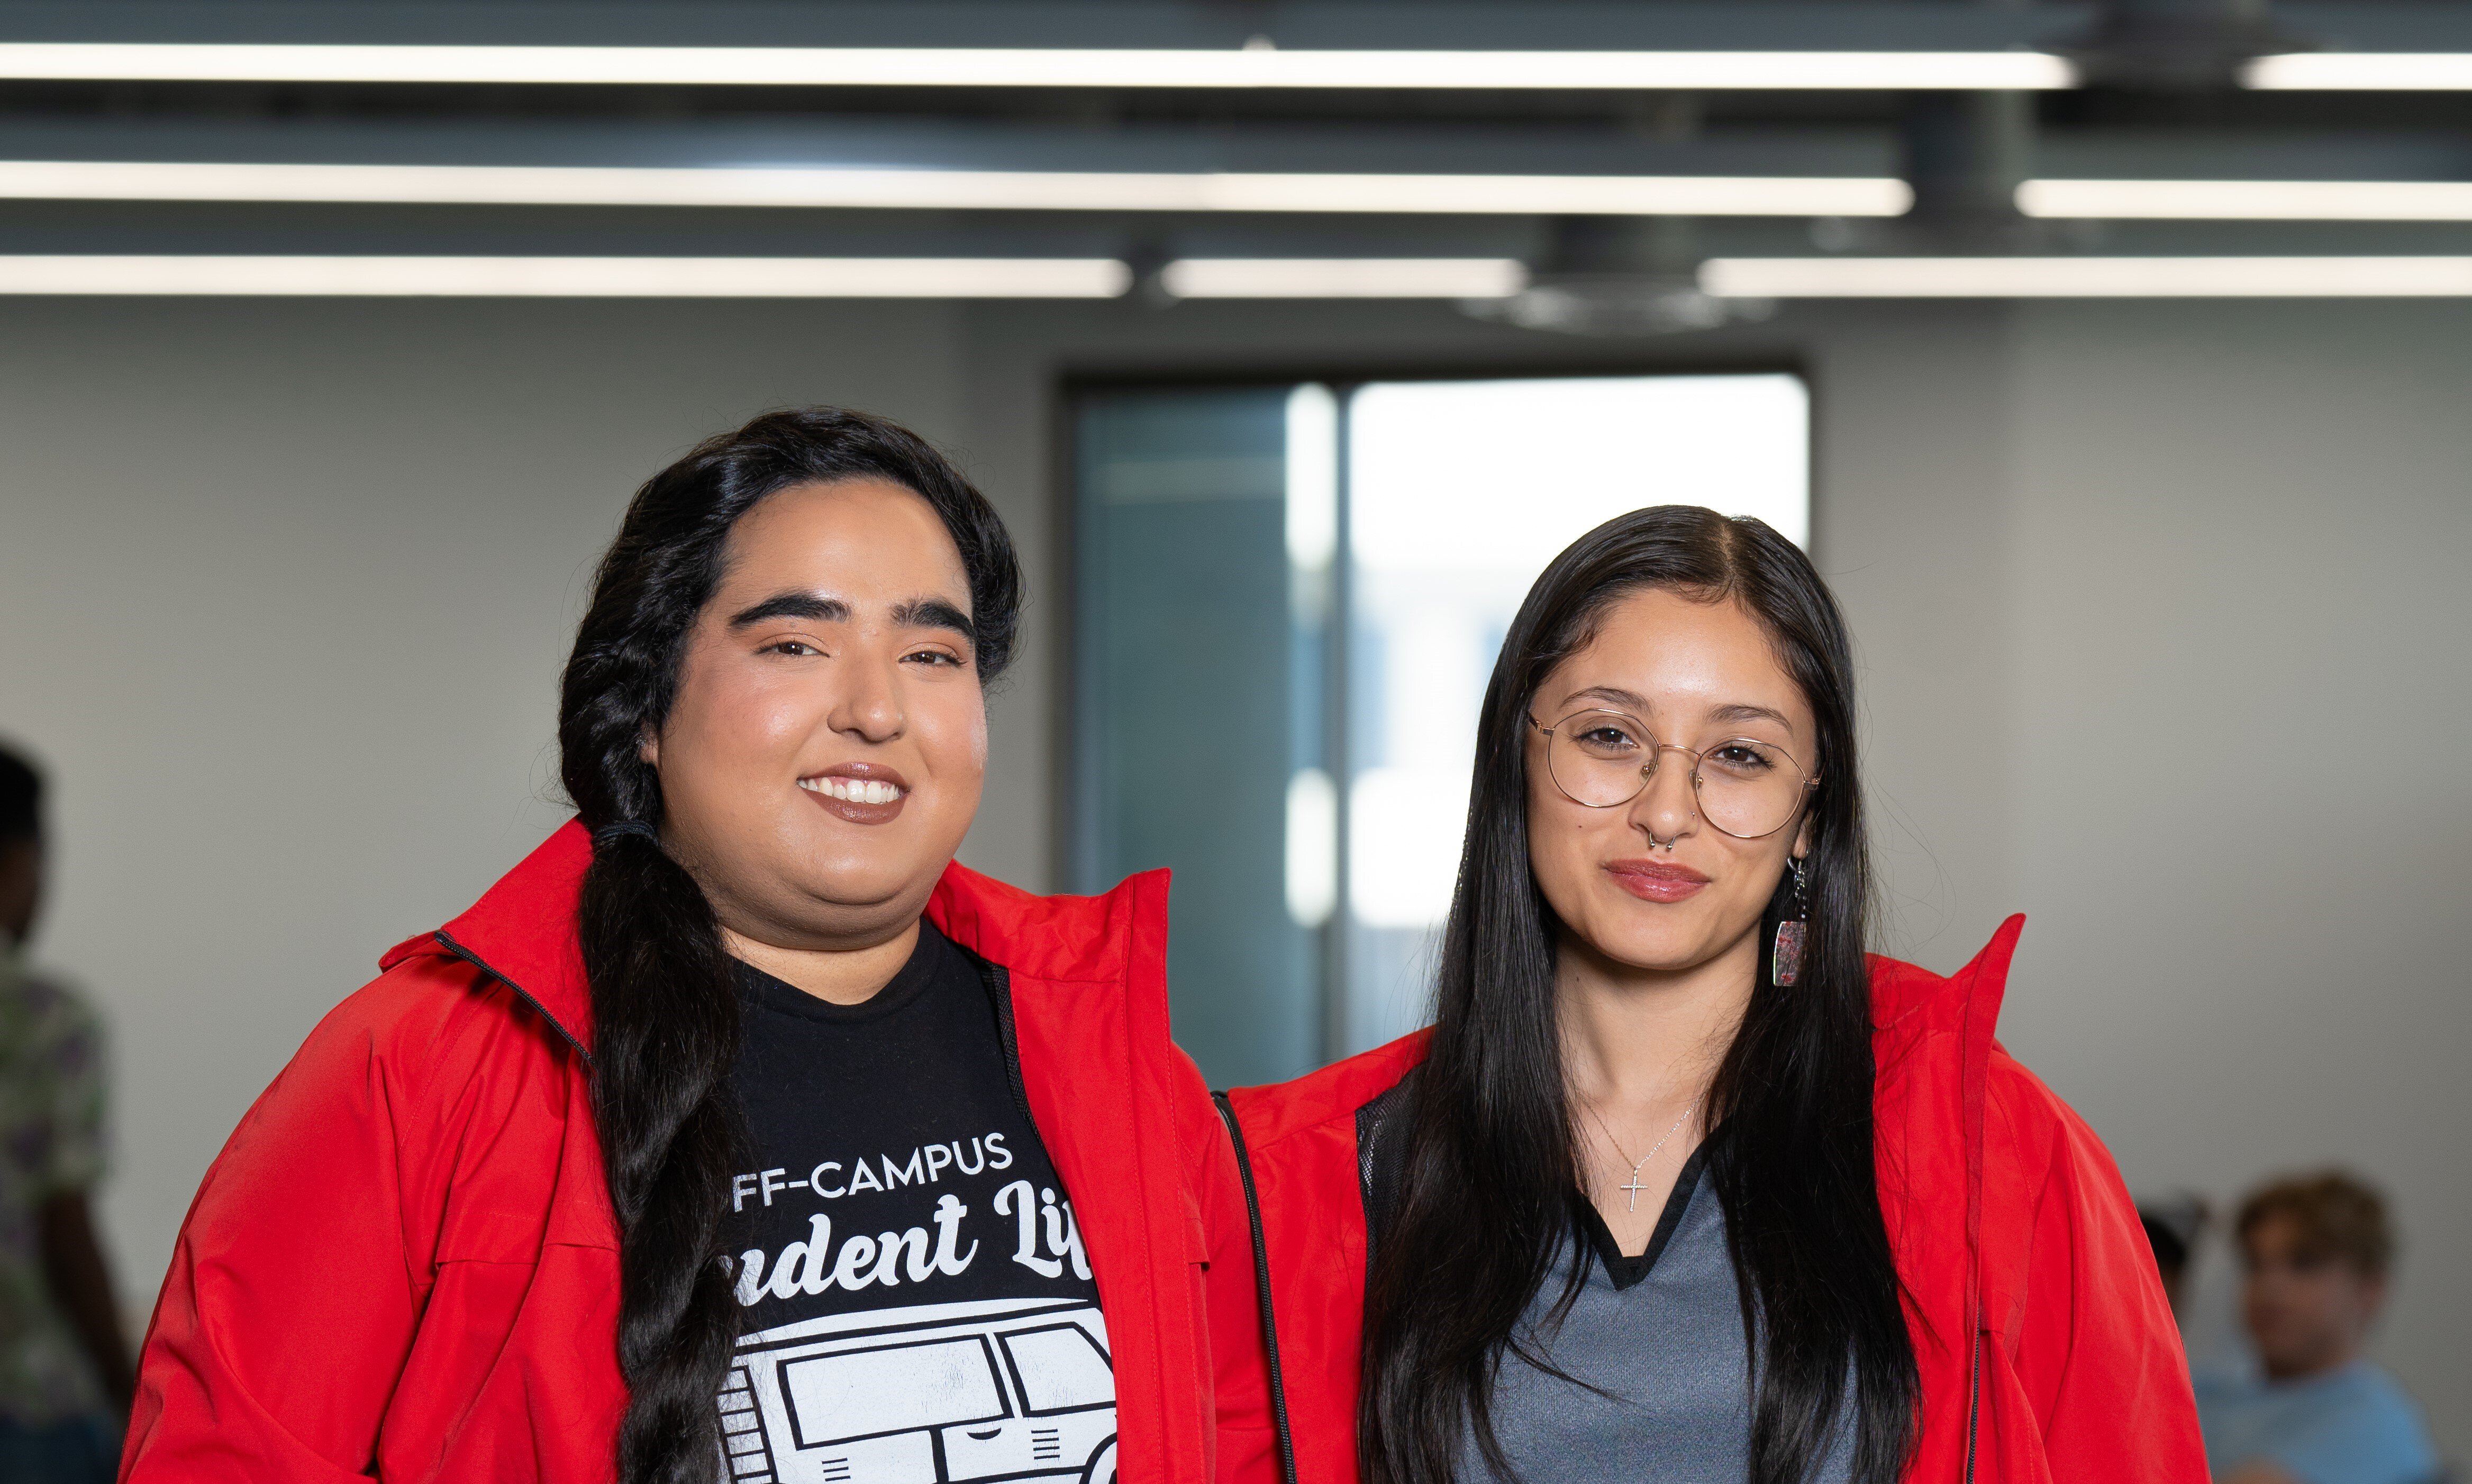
(2045, 1348)
(404, 1263)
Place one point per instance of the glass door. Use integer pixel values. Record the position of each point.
(1198, 688)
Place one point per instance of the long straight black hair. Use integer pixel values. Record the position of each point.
(664, 1008)
(1492, 1148)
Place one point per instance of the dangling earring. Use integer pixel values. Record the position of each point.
(1785, 963)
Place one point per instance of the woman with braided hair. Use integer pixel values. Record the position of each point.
(737, 1132)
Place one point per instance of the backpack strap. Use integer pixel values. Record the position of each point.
(1262, 1287)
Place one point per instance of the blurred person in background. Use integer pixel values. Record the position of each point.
(1683, 1185)
(738, 1077)
(64, 1370)
(2317, 1249)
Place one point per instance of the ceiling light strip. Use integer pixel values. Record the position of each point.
(1713, 196)
(2249, 200)
(1026, 67)
(1343, 279)
(2165, 277)
(2345, 72)
(549, 277)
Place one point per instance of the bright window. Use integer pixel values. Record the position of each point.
(1219, 698)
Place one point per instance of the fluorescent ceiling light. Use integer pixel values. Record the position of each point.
(2433, 72)
(1700, 195)
(2239, 277)
(1343, 279)
(541, 278)
(2251, 200)
(1025, 67)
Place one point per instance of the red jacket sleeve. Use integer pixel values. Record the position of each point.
(2089, 1367)
(292, 1294)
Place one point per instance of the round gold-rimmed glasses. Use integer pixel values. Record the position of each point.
(1746, 787)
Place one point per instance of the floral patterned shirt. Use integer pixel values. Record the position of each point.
(51, 1141)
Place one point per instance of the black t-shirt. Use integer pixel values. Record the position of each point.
(916, 1303)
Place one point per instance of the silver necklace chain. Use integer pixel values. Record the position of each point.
(1634, 1186)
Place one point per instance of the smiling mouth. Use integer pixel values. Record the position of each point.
(854, 791)
(1657, 881)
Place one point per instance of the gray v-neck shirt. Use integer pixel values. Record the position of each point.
(1662, 1335)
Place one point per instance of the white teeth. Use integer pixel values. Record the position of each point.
(855, 790)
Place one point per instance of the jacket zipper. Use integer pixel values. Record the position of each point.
(1262, 1285)
(1974, 1404)
(519, 992)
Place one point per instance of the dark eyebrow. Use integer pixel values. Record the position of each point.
(794, 605)
(1621, 700)
(935, 613)
(1727, 715)
(1739, 712)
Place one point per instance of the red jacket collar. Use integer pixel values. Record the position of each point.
(1911, 1008)
(522, 931)
(1909, 1004)
(1902, 990)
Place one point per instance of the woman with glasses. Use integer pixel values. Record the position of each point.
(1680, 1186)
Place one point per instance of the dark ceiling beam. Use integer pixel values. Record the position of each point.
(1518, 25)
(1515, 25)
(1439, 146)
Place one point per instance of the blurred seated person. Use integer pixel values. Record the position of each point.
(65, 1378)
(2316, 1249)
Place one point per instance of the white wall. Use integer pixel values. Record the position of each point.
(284, 591)
(2156, 608)
(2238, 681)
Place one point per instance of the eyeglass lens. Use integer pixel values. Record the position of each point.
(1746, 787)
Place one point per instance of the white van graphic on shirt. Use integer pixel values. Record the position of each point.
(934, 1393)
